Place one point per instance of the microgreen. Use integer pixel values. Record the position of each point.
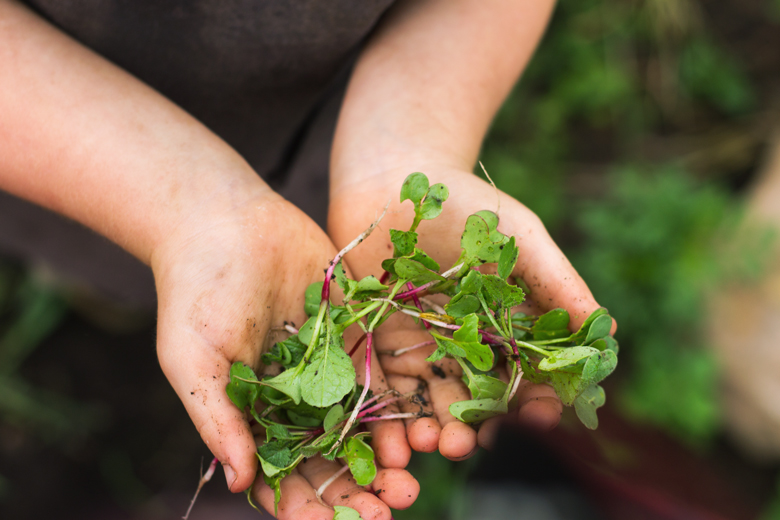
(314, 406)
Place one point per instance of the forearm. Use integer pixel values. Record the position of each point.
(430, 81)
(84, 138)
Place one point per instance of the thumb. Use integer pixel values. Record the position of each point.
(547, 272)
(199, 373)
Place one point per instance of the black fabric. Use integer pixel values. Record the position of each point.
(266, 76)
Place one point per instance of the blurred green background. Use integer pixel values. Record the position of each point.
(634, 134)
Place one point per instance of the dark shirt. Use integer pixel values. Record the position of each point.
(265, 75)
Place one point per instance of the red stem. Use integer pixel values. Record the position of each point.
(385, 276)
(408, 294)
(379, 406)
(410, 286)
(357, 344)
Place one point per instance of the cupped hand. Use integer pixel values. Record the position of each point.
(224, 282)
(546, 271)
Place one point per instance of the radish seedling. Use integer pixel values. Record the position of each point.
(312, 405)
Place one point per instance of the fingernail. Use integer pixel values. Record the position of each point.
(230, 475)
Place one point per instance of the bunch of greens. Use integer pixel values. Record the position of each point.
(314, 402)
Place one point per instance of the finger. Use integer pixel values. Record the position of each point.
(540, 408)
(422, 432)
(299, 499)
(343, 491)
(199, 375)
(388, 436)
(488, 431)
(396, 487)
(457, 440)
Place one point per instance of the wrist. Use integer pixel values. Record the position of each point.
(210, 215)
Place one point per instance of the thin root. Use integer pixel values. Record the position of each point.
(203, 479)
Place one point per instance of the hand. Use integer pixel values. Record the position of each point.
(224, 281)
(546, 271)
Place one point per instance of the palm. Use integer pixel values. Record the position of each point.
(221, 294)
(353, 206)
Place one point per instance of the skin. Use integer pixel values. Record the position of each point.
(421, 98)
(231, 259)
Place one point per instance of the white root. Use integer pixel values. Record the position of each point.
(330, 481)
(435, 307)
(203, 480)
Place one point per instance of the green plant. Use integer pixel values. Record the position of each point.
(311, 406)
(655, 246)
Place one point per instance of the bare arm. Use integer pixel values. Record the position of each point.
(422, 97)
(231, 259)
(86, 139)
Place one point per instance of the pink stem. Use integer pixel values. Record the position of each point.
(408, 294)
(328, 276)
(385, 276)
(389, 417)
(357, 344)
(377, 397)
(410, 286)
(366, 384)
(379, 406)
(517, 353)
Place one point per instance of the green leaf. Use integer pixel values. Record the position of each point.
(467, 338)
(329, 376)
(501, 293)
(415, 271)
(490, 218)
(439, 353)
(287, 353)
(507, 259)
(360, 458)
(612, 344)
(334, 415)
(277, 431)
(471, 283)
(599, 328)
(485, 387)
(275, 456)
(403, 242)
(287, 383)
(322, 445)
(566, 357)
(462, 306)
(346, 513)
(341, 277)
(587, 403)
(569, 383)
(480, 241)
(313, 297)
(424, 259)
(597, 367)
(566, 385)
(306, 330)
(431, 206)
(275, 483)
(270, 395)
(477, 410)
(306, 415)
(579, 336)
(242, 394)
(414, 188)
(531, 373)
(388, 265)
(368, 287)
(551, 325)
